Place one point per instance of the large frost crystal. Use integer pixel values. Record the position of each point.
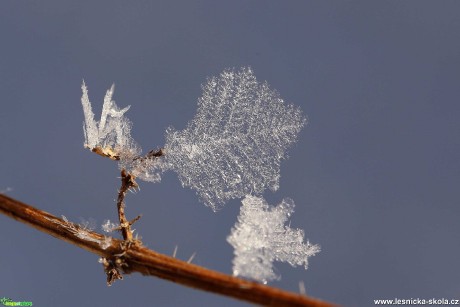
(261, 237)
(111, 137)
(234, 145)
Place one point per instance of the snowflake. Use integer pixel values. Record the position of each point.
(235, 142)
(260, 237)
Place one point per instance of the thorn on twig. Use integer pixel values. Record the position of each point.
(134, 220)
(175, 251)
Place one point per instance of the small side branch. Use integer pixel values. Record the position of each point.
(147, 262)
(127, 182)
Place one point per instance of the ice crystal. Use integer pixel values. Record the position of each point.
(82, 231)
(235, 142)
(87, 224)
(108, 226)
(106, 242)
(260, 237)
(111, 137)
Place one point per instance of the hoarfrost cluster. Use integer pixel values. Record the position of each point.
(111, 137)
(235, 142)
(260, 237)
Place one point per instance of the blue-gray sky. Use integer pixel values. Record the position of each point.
(373, 175)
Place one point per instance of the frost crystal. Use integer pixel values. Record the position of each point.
(235, 142)
(82, 231)
(106, 242)
(108, 226)
(260, 237)
(111, 137)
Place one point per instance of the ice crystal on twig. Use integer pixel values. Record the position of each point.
(260, 237)
(235, 142)
(87, 224)
(82, 231)
(111, 137)
(108, 226)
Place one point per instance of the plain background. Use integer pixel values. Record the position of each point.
(374, 175)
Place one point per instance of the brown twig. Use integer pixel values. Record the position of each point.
(127, 182)
(147, 262)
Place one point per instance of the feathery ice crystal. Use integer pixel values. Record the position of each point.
(111, 137)
(235, 142)
(260, 237)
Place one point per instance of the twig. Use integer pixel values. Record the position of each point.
(127, 182)
(147, 262)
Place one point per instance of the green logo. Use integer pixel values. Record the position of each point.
(9, 302)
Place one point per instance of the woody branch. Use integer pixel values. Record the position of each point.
(147, 262)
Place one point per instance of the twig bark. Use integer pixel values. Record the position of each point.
(147, 262)
(127, 182)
